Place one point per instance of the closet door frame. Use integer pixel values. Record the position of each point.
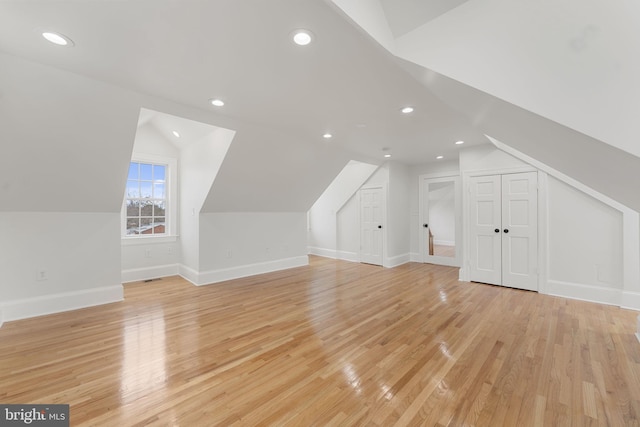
(466, 182)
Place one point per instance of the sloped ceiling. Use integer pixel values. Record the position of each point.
(80, 105)
(404, 16)
(555, 80)
(572, 63)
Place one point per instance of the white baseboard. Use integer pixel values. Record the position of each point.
(397, 260)
(584, 292)
(348, 256)
(327, 253)
(215, 276)
(415, 257)
(444, 242)
(137, 274)
(630, 300)
(56, 303)
(188, 273)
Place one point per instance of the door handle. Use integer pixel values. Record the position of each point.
(379, 226)
(425, 225)
(506, 230)
(497, 230)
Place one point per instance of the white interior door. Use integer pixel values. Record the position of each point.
(485, 243)
(519, 230)
(503, 230)
(371, 208)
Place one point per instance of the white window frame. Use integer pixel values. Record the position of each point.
(171, 209)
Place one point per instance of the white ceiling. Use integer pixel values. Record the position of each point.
(240, 51)
(404, 16)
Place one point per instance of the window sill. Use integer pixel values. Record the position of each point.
(147, 240)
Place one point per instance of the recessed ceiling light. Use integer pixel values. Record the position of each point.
(387, 155)
(216, 102)
(440, 157)
(175, 133)
(302, 37)
(459, 142)
(407, 110)
(57, 38)
(327, 136)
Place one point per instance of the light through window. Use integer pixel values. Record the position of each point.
(146, 199)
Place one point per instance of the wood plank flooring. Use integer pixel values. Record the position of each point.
(331, 344)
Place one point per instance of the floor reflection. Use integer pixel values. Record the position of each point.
(144, 355)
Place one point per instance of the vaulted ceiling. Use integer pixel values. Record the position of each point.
(73, 103)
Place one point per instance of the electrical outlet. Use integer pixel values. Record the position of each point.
(229, 253)
(41, 275)
(170, 250)
(147, 253)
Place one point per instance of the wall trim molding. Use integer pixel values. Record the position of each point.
(327, 253)
(146, 273)
(630, 300)
(590, 293)
(348, 256)
(188, 274)
(64, 301)
(220, 275)
(415, 257)
(397, 260)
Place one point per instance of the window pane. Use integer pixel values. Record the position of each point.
(159, 226)
(146, 208)
(145, 172)
(158, 191)
(133, 170)
(132, 225)
(145, 190)
(159, 172)
(145, 201)
(158, 209)
(133, 189)
(133, 208)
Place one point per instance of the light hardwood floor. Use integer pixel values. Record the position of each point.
(335, 343)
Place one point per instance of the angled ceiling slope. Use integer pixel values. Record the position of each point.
(554, 81)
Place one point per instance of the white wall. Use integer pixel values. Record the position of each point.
(398, 215)
(79, 254)
(237, 244)
(584, 241)
(486, 157)
(348, 230)
(199, 165)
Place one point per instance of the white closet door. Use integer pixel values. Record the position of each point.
(503, 230)
(519, 230)
(484, 219)
(371, 205)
